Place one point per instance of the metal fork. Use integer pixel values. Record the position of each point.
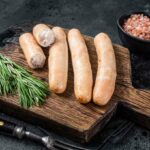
(12, 129)
(20, 132)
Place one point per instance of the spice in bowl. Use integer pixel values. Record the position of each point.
(138, 25)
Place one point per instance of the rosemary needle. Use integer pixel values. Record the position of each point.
(15, 79)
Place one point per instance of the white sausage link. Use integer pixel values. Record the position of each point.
(106, 72)
(33, 52)
(43, 35)
(58, 62)
(83, 79)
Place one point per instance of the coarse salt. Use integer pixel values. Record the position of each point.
(138, 25)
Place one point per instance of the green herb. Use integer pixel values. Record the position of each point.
(15, 79)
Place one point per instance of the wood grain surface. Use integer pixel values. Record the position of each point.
(62, 113)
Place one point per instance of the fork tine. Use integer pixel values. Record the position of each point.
(118, 136)
(69, 146)
(62, 147)
(62, 144)
(121, 128)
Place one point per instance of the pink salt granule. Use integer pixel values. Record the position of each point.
(138, 25)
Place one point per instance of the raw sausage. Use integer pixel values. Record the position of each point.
(106, 71)
(58, 62)
(32, 51)
(83, 79)
(43, 35)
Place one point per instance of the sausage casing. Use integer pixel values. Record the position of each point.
(58, 62)
(43, 35)
(32, 51)
(106, 71)
(83, 79)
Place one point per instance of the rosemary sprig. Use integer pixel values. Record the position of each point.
(14, 78)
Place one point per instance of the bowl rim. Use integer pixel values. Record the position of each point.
(127, 16)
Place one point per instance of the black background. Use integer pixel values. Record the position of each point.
(91, 17)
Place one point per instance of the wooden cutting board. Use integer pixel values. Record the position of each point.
(62, 113)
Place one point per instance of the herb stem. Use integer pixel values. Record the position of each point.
(15, 79)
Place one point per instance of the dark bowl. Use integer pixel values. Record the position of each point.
(134, 44)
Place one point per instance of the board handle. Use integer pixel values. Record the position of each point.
(138, 99)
